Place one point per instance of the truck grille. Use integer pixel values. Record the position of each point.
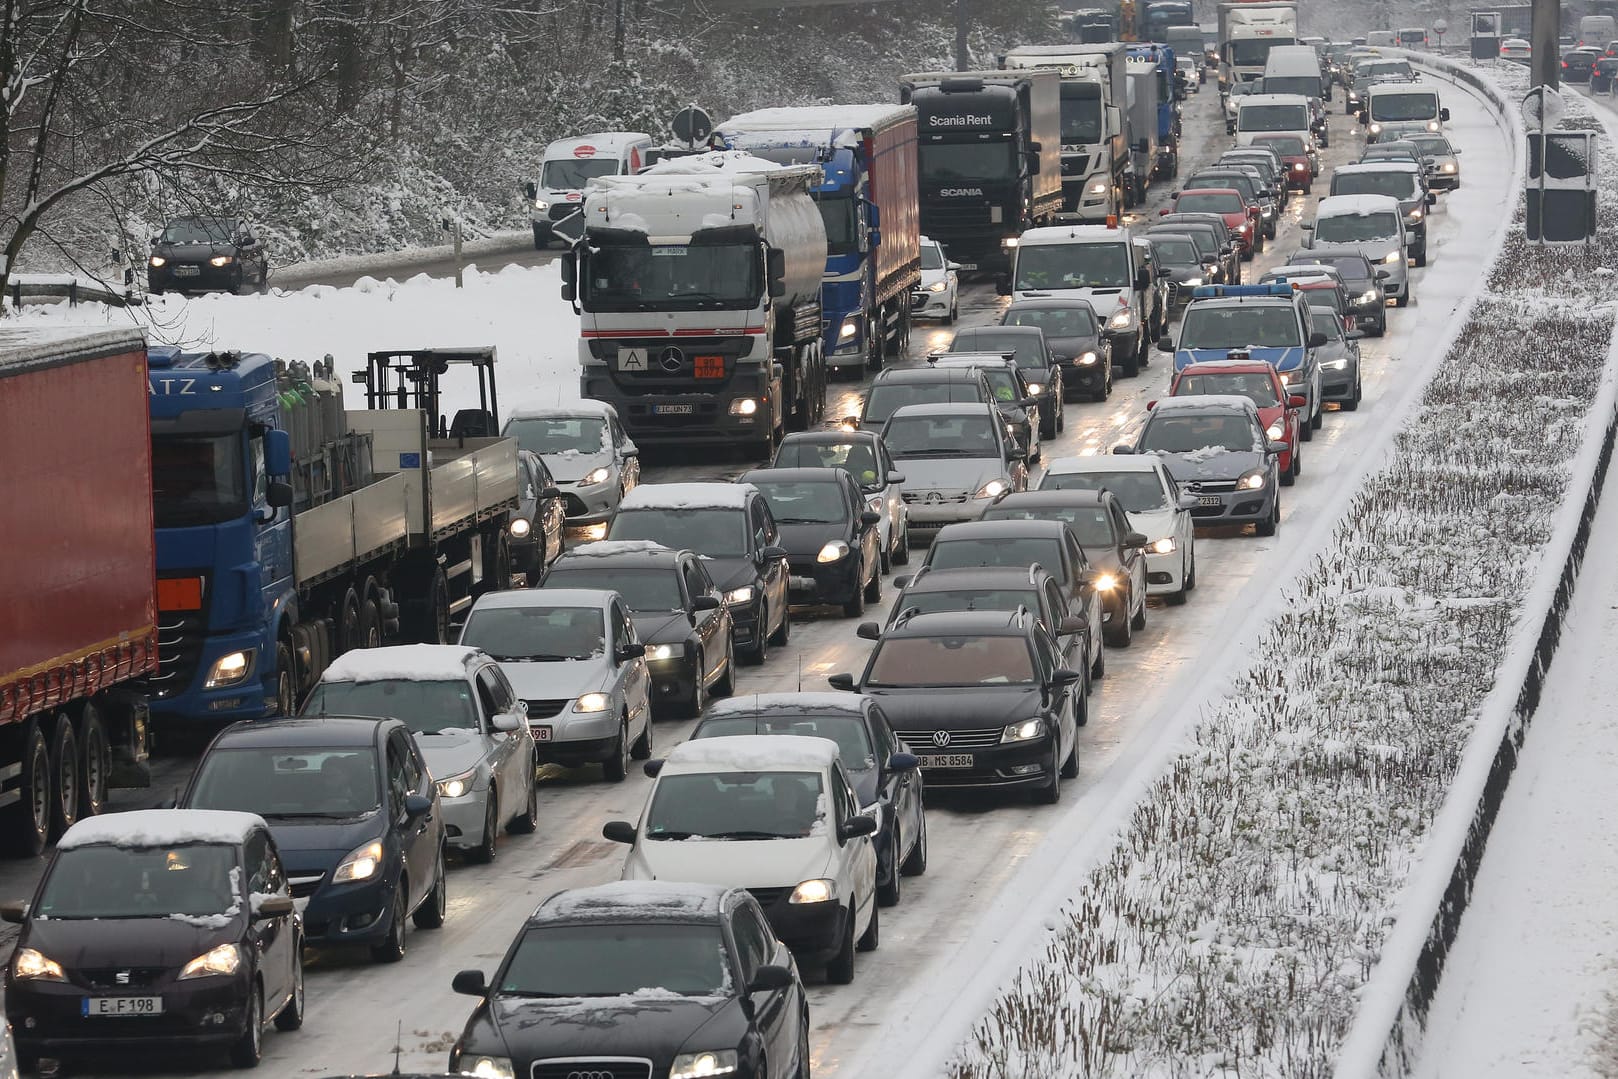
(565, 209)
(1075, 164)
(944, 216)
(923, 741)
(179, 651)
(594, 1067)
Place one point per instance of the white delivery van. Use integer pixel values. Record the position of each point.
(1380, 37)
(1295, 69)
(1273, 114)
(570, 165)
(1392, 109)
(1412, 37)
(1599, 30)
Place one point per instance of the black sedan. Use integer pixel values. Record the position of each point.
(635, 979)
(678, 612)
(535, 531)
(830, 538)
(153, 931)
(202, 254)
(1074, 337)
(881, 768)
(1033, 354)
(351, 805)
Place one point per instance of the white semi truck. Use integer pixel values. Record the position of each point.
(1095, 150)
(1247, 33)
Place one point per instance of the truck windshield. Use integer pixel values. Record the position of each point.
(1408, 106)
(1269, 326)
(197, 480)
(672, 277)
(1272, 118)
(1103, 265)
(842, 226)
(1354, 228)
(943, 162)
(1255, 51)
(571, 174)
(1081, 112)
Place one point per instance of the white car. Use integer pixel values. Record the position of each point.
(1515, 48)
(575, 660)
(1154, 505)
(777, 815)
(590, 458)
(938, 294)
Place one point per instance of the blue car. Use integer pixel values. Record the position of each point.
(354, 814)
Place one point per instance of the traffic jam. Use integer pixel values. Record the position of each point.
(910, 440)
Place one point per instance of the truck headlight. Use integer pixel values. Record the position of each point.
(1449, 166)
(541, 204)
(737, 596)
(1375, 129)
(1162, 546)
(225, 959)
(229, 669)
(520, 528)
(1393, 257)
(1432, 125)
(592, 702)
(596, 475)
(848, 330)
(1125, 318)
(1275, 431)
(1026, 731)
(814, 891)
(744, 406)
(361, 863)
(1251, 481)
(704, 1065)
(834, 551)
(1096, 189)
(992, 489)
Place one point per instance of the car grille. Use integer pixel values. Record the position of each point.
(918, 299)
(932, 497)
(593, 1068)
(565, 209)
(981, 738)
(573, 505)
(769, 896)
(304, 887)
(132, 977)
(179, 651)
(544, 709)
(1211, 487)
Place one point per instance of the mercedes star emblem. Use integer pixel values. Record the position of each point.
(671, 359)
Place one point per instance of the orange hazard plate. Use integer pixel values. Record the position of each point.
(709, 366)
(179, 594)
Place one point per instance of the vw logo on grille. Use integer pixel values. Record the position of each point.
(941, 738)
(671, 359)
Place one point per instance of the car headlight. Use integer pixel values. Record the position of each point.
(1122, 319)
(1026, 731)
(596, 475)
(992, 489)
(455, 786)
(1251, 481)
(665, 651)
(1191, 282)
(1036, 388)
(848, 329)
(814, 891)
(834, 551)
(32, 965)
(1336, 365)
(938, 286)
(702, 1065)
(488, 1067)
(1375, 129)
(361, 863)
(1097, 189)
(1393, 257)
(1105, 582)
(1275, 431)
(1449, 166)
(1086, 359)
(1244, 227)
(1300, 166)
(157, 261)
(229, 669)
(1162, 546)
(222, 260)
(225, 959)
(1414, 215)
(520, 528)
(1432, 125)
(735, 596)
(1370, 295)
(592, 702)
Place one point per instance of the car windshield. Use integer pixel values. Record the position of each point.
(1393, 183)
(923, 662)
(197, 479)
(858, 459)
(736, 805)
(562, 435)
(1356, 228)
(1331, 299)
(1433, 145)
(941, 436)
(573, 173)
(803, 503)
(717, 533)
(1176, 252)
(1256, 387)
(300, 781)
(642, 589)
(1187, 434)
(932, 257)
(1207, 244)
(1024, 352)
(1242, 183)
(616, 960)
(1017, 552)
(1094, 265)
(848, 731)
(1397, 107)
(1287, 147)
(954, 162)
(1139, 492)
(1074, 321)
(671, 277)
(886, 398)
(1089, 524)
(106, 881)
(536, 634)
(426, 707)
(1327, 322)
(198, 230)
(1195, 202)
(1241, 326)
(969, 599)
(1272, 118)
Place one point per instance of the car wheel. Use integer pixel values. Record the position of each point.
(1421, 255)
(1306, 431)
(1106, 383)
(1061, 410)
(954, 311)
(759, 653)
(1139, 620)
(1098, 669)
(483, 853)
(854, 607)
(784, 634)
(803, 1046)
(1122, 634)
(1318, 420)
(872, 937)
(692, 705)
(1070, 767)
(392, 949)
(1353, 403)
(290, 1017)
(1132, 363)
(915, 863)
(247, 1050)
(616, 768)
(873, 588)
(840, 967)
(1177, 598)
(1267, 527)
(527, 822)
(1402, 301)
(885, 559)
(901, 544)
(725, 684)
(889, 894)
(1051, 793)
(642, 748)
(1290, 474)
(430, 915)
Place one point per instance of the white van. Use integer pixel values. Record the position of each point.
(1598, 30)
(1412, 37)
(1392, 109)
(1273, 114)
(1380, 37)
(1295, 69)
(569, 166)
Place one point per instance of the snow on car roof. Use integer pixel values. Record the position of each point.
(1071, 234)
(401, 663)
(1303, 269)
(545, 598)
(759, 702)
(687, 496)
(1099, 462)
(1356, 205)
(1380, 164)
(752, 753)
(642, 898)
(613, 548)
(1204, 400)
(598, 409)
(161, 828)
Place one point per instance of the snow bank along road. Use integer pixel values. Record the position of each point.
(952, 930)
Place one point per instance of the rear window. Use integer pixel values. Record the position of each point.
(1272, 118)
(1287, 147)
(1399, 185)
(1207, 203)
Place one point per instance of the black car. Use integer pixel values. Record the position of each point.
(1073, 334)
(1579, 64)
(1603, 74)
(156, 930)
(635, 979)
(1230, 255)
(881, 768)
(535, 531)
(1013, 395)
(1034, 356)
(863, 455)
(679, 615)
(1210, 250)
(1180, 263)
(729, 525)
(833, 550)
(1363, 282)
(982, 698)
(896, 387)
(202, 254)
(354, 813)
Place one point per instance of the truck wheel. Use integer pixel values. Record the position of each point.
(95, 765)
(31, 814)
(370, 625)
(64, 765)
(496, 563)
(427, 619)
(348, 623)
(541, 239)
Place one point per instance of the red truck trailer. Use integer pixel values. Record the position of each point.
(78, 625)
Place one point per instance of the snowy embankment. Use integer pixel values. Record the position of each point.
(1242, 909)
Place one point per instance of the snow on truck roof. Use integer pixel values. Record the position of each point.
(160, 828)
(604, 142)
(29, 346)
(723, 163)
(401, 663)
(688, 496)
(753, 753)
(818, 118)
(1356, 205)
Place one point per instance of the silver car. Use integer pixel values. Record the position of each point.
(957, 460)
(1370, 224)
(575, 660)
(591, 459)
(1442, 160)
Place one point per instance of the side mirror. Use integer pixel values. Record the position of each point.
(1164, 271)
(279, 495)
(653, 768)
(896, 477)
(902, 581)
(869, 631)
(873, 238)
(869, 518)
(1296, 400)
(277, 452)
(1165, 343)
(551, 492)
(776, 264)
(956, 265)
(508, 722)
(619, 831)
(417, 805)
(1443, 114)
(1070, 624)
(531, 189)
(1027, 402)
(1017, 452)
(1307, 226)
(1032, 157)
(1432, 199)
(1143, 278)
(1382, 275)
(15, 912)
(1189, 502)
(1136, 539)
(1150, 405)
(1317, 340)
(706, 603)
(1275, 447)
(772, 553)
(903, 762)
(855, 827)
(1002, 288)
(770, 979)
(1122, 449)
(1063, 677)
(471, 982)
(778, 288)
(1353, 335)
(273, 906)
(843, 682)
(629, 652)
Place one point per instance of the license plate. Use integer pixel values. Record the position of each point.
(188, 271)
(1210, 500)
(673, 410)
(122, 1006)
(946, 760)
(966, 265)
(542, 732)
(709, 366)
(802, 584)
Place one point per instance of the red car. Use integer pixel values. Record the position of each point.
(1258, 381)
(1244, 220)
(1301, 165)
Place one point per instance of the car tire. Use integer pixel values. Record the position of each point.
(1421, 255)
(1123, 634)
(1178, 597)
(1138, 622)
(840, 967)
(430, 915)
(691, 707)
(725, 684)
(1132, 363)
(954, 312)
(247, 1050)
(392, 948)
(803, 1046)
(889, 894)
(885, 560)
(901, 546)
(871, 939)
(1267, 527)
(641, 749)
(1051, 793)
(915, 863)
(527, 822)
(290, 1017)
(1061, 410)
(873, 587)
(783, 634)
(616, 768)
(1402, 301)
(854, 606)
(1105, 392)
(1318, 420)
(1070, 767)
(1098, 669)
(1306, 431)
(1290, 476)
(1353, 403)
(1382, 324)
(484, 852)
(759, 654)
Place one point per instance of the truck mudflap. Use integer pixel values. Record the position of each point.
(129, 724)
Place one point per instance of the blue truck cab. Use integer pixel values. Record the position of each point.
(1267, 322)
(1168, 108)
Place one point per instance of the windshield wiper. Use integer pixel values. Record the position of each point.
(932, 452)
(533, 994)
(668, 835)
(315, 815)
(801, 521)
(744, 834)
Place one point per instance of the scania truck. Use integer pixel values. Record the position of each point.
(1094, 150)
(1247, 33)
